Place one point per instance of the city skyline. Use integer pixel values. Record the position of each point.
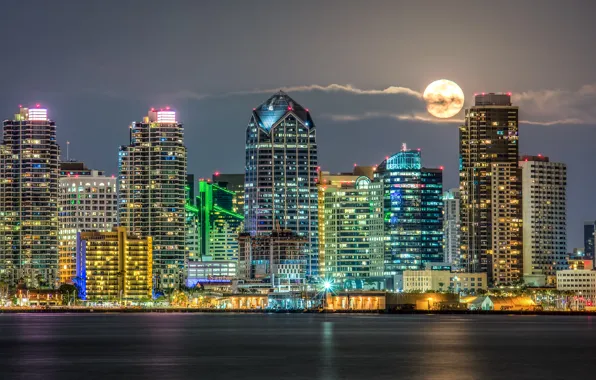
(92, 98)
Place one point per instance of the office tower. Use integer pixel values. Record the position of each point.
(277, 258)
(29, 199)
(87, 201)
(193, 249)
(113, 266)
(544, 212)
(235, 183)
(451, 226)
(219, 225)
(589, 228)
(281, 172)
(413, 208)
(351, 231)
(152, 183)
(490, 190)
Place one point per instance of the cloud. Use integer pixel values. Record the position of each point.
(558, 106)
(418, 117)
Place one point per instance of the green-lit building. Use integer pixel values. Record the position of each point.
(218, 223)
(413, 208)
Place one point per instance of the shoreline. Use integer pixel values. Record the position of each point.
(264, 311)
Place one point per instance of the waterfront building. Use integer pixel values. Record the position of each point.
(281, 172)
(589, 228)
(211, 272)
(490, 190)
(413, 208)
(114, 266)
(219, 224)
(581, 282)
(193, 246)
(152, 179)
(277, 258)
(451, 226)
(544, 187)
(29, 171)
(87, 201)
(443, 280)
(351, 230)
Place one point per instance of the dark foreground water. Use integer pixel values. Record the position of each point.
(277, 346)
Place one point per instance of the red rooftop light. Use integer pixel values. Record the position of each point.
(216, 173)
(167, 107)
(37, 105)
(440, 167)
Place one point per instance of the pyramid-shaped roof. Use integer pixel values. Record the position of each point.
(276, 107)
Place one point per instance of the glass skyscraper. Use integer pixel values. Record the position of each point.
(281, 172)
(413, 208)
(152, 185)
(29, 171)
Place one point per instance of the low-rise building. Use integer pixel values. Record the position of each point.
(211, 272)
(581, 282)
(499, 303)
(113, 266)
(443, 280)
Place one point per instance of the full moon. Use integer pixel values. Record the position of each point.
(443, 98)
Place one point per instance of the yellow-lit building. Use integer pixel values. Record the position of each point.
(443, 280)
(114, 266)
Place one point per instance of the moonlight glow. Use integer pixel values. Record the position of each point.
(444, 98)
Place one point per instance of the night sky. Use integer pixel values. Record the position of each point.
(98, 65)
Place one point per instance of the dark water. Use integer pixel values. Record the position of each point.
(216, 346)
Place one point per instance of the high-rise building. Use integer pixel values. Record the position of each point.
(87, 201)
(281, 172)
(451, 226)
(589, 229)
(351, 231)
(413, 208)
(544, 185)
(113, 266)
(193, 247)
(235, 183)
(490, 189)
(29, 159)
(219, 225)
(277, 257)
(152, 181)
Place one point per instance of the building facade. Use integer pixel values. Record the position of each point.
(413, 212)
(235, 183)
(580, 282)
(443, 280)
(544, 194)
(277, 258)
(29, 171)
(451, 227)
(589, 228)
(152, 179)
(219, 224)
(490, 189)
(281, 172)
(352, 231)
(114, 266)
(87, 201)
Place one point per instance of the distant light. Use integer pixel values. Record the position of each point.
(37, 105)
(386, 157)
(441, 168)
(20, 106)
(509, 93)
(152, 109)
(327, 285)
(418, 149)
(289, 108)
(483, 93)
(167, 107)
(216, 173)
(254, 109)
(539, 155)
(307, 110)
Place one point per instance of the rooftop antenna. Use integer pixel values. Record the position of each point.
(67, 155)
(404, 147)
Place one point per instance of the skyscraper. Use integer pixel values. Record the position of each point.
(490, 189)
(219, 225)
(281, 172)
(351, 231)
(451, 226)
(29, 199)
(413, 208)
(235, 183)
(87, 201)
(152, 183)
(544, 185)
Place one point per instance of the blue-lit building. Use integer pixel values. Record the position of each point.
(413, 208)
(281, 173)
